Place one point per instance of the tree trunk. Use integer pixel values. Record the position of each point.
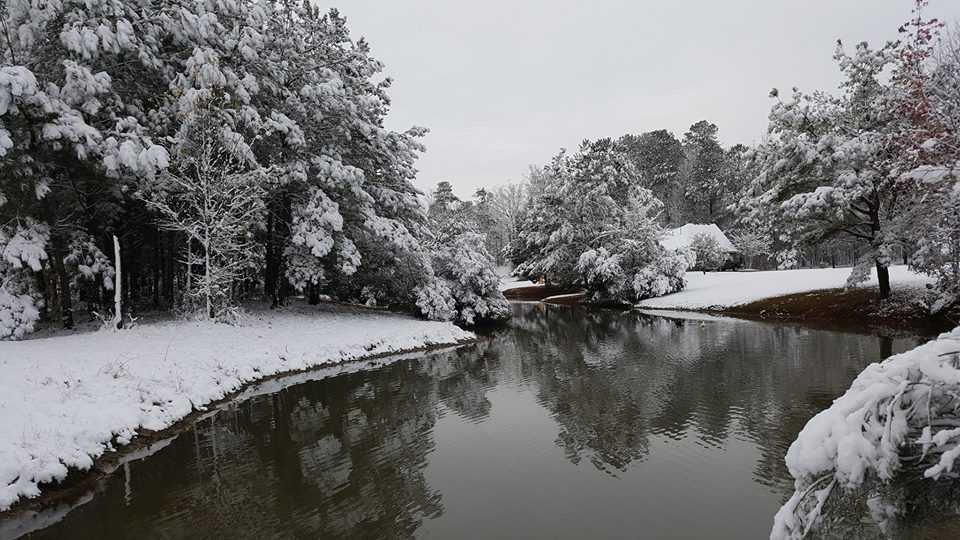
(63, 282)
(207, 292)
(157, 254)
(883, 276)
(117, 287)
(278, 219)
(270, 269)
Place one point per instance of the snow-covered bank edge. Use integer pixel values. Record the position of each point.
(907, 399)
(717, 291)
(67, 401)
(30, 515)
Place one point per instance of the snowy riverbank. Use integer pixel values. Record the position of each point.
(66, 400)
(727, 289)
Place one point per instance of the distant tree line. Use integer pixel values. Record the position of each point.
(865, 178)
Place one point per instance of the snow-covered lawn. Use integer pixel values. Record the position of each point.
(508, 281)
(511, 283)
(726, 289)
(64, 399)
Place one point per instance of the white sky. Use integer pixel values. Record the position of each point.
(503, 84)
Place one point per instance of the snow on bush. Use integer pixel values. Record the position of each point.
(18, 314)
(709, 256)
(435, 301)
(22, 250)
(87, 262)
(663, 276)
(466, 288)
(907, 402)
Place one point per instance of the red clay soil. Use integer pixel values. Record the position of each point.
(839, 306)
(542, 293)
(533, 293)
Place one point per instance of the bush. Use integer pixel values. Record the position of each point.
(465, 287)
(709, 256)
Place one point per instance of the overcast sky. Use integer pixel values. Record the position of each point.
(504, 84)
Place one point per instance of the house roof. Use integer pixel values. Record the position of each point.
(682, 237)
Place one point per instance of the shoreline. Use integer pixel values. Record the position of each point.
(844, 308)
(68, 400)
(857, 310)
(80, 485)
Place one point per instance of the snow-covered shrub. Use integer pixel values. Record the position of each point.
(904, 408)
(465, 288)
(88, 263)
(464, 285)
(18, 313)
(663, 276)
(605, 277)
(435, 300)
(601, 270)
(709, 255)
(22, 251)
(937, 254)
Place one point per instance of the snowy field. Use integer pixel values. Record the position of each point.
(508, 282)
(65, 400)
(726, 289)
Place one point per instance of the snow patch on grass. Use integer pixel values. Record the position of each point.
(66, 400)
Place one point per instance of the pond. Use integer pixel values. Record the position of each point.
(570, 423)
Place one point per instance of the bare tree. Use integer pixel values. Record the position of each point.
(212, 198)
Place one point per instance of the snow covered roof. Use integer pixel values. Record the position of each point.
(682, 237)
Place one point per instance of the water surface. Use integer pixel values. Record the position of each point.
(571, 423)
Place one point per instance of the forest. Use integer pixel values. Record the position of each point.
(237, 150)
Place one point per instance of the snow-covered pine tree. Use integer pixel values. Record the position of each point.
(703, 172)
(465, 286)
(658, 156)
(593, 225)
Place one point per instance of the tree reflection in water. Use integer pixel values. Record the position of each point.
(349, 456)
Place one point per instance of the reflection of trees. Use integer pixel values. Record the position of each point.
(342, 457)
(469, 374)
(612, 379)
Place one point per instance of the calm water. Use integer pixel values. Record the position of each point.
(572, 423)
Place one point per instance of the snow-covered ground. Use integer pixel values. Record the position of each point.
(65, 400)
(726, 289)
(508, 281)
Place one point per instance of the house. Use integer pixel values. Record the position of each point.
(682, 237)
